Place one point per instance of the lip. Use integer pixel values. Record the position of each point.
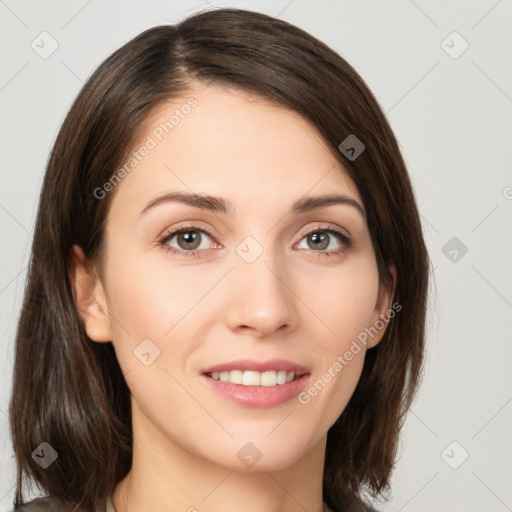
(258, 366)
(261, 397)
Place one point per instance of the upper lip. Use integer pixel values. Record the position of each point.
(258, 366)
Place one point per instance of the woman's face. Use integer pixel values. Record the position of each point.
(256, 286)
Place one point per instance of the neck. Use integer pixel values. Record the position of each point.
(165, 477)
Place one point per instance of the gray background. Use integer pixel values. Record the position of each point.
(452, 116)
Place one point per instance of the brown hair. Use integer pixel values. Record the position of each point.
(69, 391)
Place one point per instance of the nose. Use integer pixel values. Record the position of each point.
(260, 298)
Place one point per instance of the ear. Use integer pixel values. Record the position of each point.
(89, 295)
(381, 315)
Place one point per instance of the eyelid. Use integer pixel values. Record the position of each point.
(184, 226)
(326, 226)
(172, 232)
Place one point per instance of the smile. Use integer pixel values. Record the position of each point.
(254, 378)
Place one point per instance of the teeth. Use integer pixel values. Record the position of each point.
(252, 378)
(269, 378)
(235, 376)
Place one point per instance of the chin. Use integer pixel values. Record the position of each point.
(260, 455)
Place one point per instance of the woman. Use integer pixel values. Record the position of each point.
(226, 299)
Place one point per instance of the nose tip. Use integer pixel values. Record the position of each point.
(260, 301)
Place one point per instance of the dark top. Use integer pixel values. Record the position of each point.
(38, 505)
(49, 505)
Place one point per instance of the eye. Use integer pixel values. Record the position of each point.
(321, 239)
(191, 240)
(188, 240)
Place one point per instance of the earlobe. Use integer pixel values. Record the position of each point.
(382, 311)
(89, 296)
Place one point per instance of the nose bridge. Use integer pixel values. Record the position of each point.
(260, 298)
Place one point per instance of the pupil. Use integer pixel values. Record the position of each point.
(189, 239)
(320, 239)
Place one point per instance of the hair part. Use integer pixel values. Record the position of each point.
(69, 391)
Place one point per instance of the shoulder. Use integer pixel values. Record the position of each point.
(42, 505)
(52, 504)
(356, 505)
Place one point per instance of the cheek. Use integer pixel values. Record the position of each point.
(344, 299)
(151, 300)
(137, 302)
(150, 306)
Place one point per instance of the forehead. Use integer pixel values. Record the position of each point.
(231, 143)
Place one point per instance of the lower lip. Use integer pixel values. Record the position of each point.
(261, 397)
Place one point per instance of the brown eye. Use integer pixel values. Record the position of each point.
(322, 239)
(187, 240)
(318, 240)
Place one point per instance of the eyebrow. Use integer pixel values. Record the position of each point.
(219, 204)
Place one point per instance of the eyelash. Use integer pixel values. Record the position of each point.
(162, 242)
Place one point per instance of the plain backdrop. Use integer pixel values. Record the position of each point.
(442, 72)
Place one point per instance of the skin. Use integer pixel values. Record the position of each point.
(293, 302)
